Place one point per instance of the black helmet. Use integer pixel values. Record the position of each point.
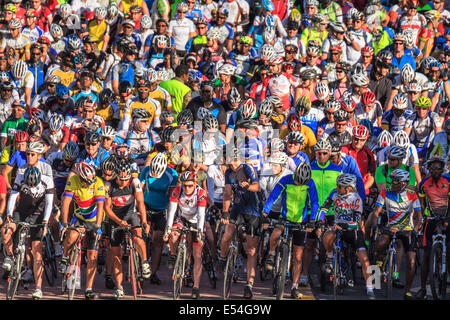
(106, 96)
(335, 142)
(32, 176)
(185, 117)
(123, 170)
(125, 87)
(91, 137)
(167, 135)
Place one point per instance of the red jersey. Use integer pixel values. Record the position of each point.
(364, 159)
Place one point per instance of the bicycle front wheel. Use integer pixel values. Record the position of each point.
(229, 273)
(208, 264)
(282, 271)
(178, 274)
(390, 275)
(438, 277)
(336, 273)
(50, 268)
(74, 270)
(14, 277)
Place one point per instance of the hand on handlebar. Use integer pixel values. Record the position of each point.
(123, 224)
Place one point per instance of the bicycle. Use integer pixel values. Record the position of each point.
(18, 269)
(263, 251)
(438, 260)
(208, 264)
(72, 273)
(179, 270)
(49, 258)
(390, 262)
(344, 262)
(283, 256)
(230, 265)
(134, 274)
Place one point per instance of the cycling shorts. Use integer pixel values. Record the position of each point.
(90, 231)
(408, 239)
(35, 233)
(117, 236)
(298, 236)
(180, 222)
(355, 238)
(429, 229)
(252, 223)
(157, 219)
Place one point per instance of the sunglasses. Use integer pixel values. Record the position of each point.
(329, 113)
(107, 138)
(367, 57)
(8, 90)
(335, 53)
(311, 56)
(323, 153)
(31, 154)
(51, 85)
(127, 27)
(339, 71)
(92, 144)
(181, 12)
(392, 159)
(289, 51)
(188, 185)
(204, 27)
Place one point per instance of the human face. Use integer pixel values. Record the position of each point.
(357, 24)
(398, 46)
(36, 55)
(181, 14)
(6, 93)
(413, 95)
(202, 29)
(339, 35)
(335, 55)
(292, 33)
(15, 32)
(330, 115)
(436, 170)
(21, 146)
(142, 125)
(106, 142)
(397, 186)
(293, 148)
(357, 143)
(394, 162)
(221, 20)
(206, 94)
(311, 10)
(35, 4)
(340, 127)
(411, 11)
(437, 4)
(366, 57)
(434, 75)
(127, 29)
(340, 74)
(422, 112)
(188, 187)
(190, 4)
(323, 156)
(92, 148)
(30, 21)
(311, 58)
(18, 112)
(343, 190)
(276, 168)
(143, 92)
(51, 88)
(32, 158)
(275, 68)
(88, 113)
(335, 157)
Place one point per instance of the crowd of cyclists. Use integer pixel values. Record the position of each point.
(160, 114)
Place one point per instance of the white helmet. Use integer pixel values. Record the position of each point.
(158, 165)
(14, 24)
(400, 101)
(400, 175)
(384, 139)
(36, 146)
(407, 73)
(401, 139)
(210, 122)
(227, 69)
(408, 38)
(113, 10)
(161, 41)
(346, 180)
(56, 31)
(350, 13)
(276, 145)
(279, 158)
(248, 109)
(56, 122)
(313, 49)
(65, 10)
(302, 174)
(322, 91)
(268, 34)
(100, 12)
(108, 131)
(333, 104)
(428, 61)
(360, 79)
(73, 43)
(213, 33)
(183, 6)
(265, 108)
(20, 69)
(70, 151)
(275, 101)
(267, 50)
(202, 113)
(146, 22)
(312, 3)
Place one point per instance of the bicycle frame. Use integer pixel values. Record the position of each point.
(73, 272)
(441, 238)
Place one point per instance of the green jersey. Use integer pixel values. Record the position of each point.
(10, 127)
(382, 175)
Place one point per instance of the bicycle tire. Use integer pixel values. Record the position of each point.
(229, 273)
(132, 272)
(138, 271)
(264, 252)
(14, 277)
(438, 279)
(75, 256)
(336, 273)
(281, 279)
(50, 268)
(178, 274)
(208, 264)
(390, 275)
(275, 271)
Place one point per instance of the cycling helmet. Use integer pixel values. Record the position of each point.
(210, 122)
(348, 104)
(248, 109)
(312, 3)
(367, 49)
(7, 85)
(276, 145)
(422, 102)
(14, 24)
(360, 79)
(70, 151)
(360, 132)
(320, 18)
(322, 91)
(407, 73)
(123, 170)
(89, 104)
(293, 122)
(351, 12)
(322, 144)
(275, 101)
(247, 124)
(122, 151)
(36, 146)
(269, 35)
(335, 142)
(20, 69)
(397, 152)
(346, 180)
(313, 49)
(167, 117)
(436, 158)
(125, 87)
(65, 10)
(213, 33)
(109, 164)
(267, 5)
(234, 96)
(296, 136)
(202, 113)
(158, 165)
(401, 139)
(167, 135)
(399, 37)
(408, 38)
(86, 172)
(161, 41)
(185, 117)
(73, 43)
(302, 106)
(56, 122)
(400, 101)
(227, 69)
(187, 176)
(195, 76)
(333, 105)
(139, 114)
(265, 108)
(267, 51)
(399, 175)
(384, 139)
(20, 136)
(106, 97)
(302, 174)
(108, 131)
(91, 137)
(246, 40)
(431, 14)
(32, 176)
(276, 60)
(428, 61)
(279, 158)
(53, 79)
(4, 77)
(340, 116)
(368, 98)
(337, 26)
(182, 6)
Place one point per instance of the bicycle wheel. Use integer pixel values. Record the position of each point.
(132, 272)
(323, 271)
(336, 274)
(14, 277)
(178, 274)
(74, 268)
(263, 253)
(281, 277)
(390, 275)
(275, 271)
(229, 273)
(48, 256)
(438, 277)
(208, 264)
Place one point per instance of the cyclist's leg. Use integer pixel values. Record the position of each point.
(409, 243)
(381, 246)
(210, 237)
(133, 220)
(428, 230)
(174, 236)
(308, 253)
(116, 254)
(252, 238)
(197, 248)
(328, 240)
(228, 234)
(38, 263)
(298, 241)
(158, 223)
(7, 237)
(91, 267)
(356, 240)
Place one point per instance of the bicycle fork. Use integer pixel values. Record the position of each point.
(441, 238)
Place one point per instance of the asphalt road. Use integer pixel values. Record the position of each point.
(261, 291)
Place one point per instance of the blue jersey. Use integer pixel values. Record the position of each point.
(95, 162)
(349, 165)
(156, 191)
(19, 158)
(299, 158)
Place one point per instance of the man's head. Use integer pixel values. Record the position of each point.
(6, 89)
(278, 161)
(140, 117)
(34, 152)
(9, 11)
(360, 136)
(128, 26)
(143, 89)
(345, 183)
(182, 72)
(14, 28)
(295, 140)
(423, 105)
(399, 180)
(323, 151)
(395, 156)
(92, 142)
(340, 121)
(86, 173)
(31, 18)
(436, 166)
(18, 109)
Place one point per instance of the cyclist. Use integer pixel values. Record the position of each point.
(88, 191)
(241, 183)
(35, 206)
(434, 199)
(348, 207)
(190, 201)
(298, 192)
(158, 182)
(14, 157)
(93, 154)
(404, 214)
(16, 121)
(122, 195)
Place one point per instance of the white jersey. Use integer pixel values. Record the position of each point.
(215, 181)
(363, 38)
(180, 29)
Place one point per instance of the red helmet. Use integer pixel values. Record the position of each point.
(368, 98)
(188, 176)
(293, 122)
(360, 132)
(348, 105)
(367, 49)
(21, 136)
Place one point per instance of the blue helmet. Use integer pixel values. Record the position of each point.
(268, 5)
(62, 91)
(32, 176)
(56, 122)
(270, 22)
(366, 123)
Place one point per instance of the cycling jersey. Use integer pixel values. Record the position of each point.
(21, 44)
(163, 97)
(414, 24)
(412, 158)
(333, 11)
(392, 123)
(436, 195)
(215, 181)
(151, 105)
(399, 208)
(122, 199)
(324, 178)
(192, 208)
(67, 77)
(60, 170)
(422, 130)
(85, 198)
(281, 85)
(364, 159)
(10, 127)
(347, 208)
(383, 172)
(268, 182)
(295, 200)
(140, 143)
(96, 161)
(156, 191)
(177, 91)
